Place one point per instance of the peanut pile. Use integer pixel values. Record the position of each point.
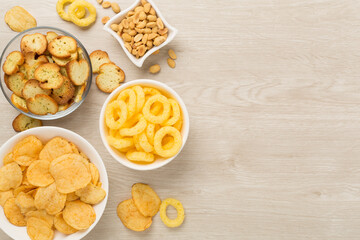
(141, 29)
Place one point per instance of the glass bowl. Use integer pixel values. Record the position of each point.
(14, 45)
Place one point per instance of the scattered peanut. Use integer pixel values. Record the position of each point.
(171, 63)
(141, 29)
(156, 52)
(172, 54)
(99, 1)
(105, 19)
(154, 69)
(115, 7)
(106, 4)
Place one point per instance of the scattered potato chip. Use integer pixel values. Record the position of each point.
(50, 199)
(56, 147)
(10, 176)
(13, 213)
(62, 226)
(38, 173)
(70, 173)
(91, 194)
(39, 229)
(4, 196)
(131, 217)
(25, 202)
(42, 214)
(19, 19)
(79, 215)
(145, 199)
(27, 150)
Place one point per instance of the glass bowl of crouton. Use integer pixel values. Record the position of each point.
(45, 73)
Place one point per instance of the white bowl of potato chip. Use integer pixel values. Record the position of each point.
(80, 147)
(144, 147)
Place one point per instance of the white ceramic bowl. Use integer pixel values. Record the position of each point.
(120, 16)
(45, 134)
(119, 156)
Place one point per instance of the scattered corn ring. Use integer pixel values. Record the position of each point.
(180, 212)
(159, 135)
(112, 114)
(149, 116)
(84, 22)
(60, 5)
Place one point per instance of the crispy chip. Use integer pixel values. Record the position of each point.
(25, 202)
(42, 214)
(50, 199)
(70, 173)
(8, 158)
(4, 196)
(131, 217)
(39, 229)
(91, 194)
(19, 19)
(13, 213)
(10, 176)
(79, 215)
(62, 226)
(71, 197)
(95, 176)
(27, 150)
(23, 188)
(145, 199)
(38, 173)
(55, 148)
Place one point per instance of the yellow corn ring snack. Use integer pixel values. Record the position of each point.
(144, 143)
(159, 135)
(60, 5)
(140, 98)
(82, 22)
(115, 114)
(140, 156)
(180, 212)
(149, 116)
(120, 143)
(137, 129)
(129, 97)
(175, 113)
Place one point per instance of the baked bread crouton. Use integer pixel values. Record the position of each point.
(110, 77)
(63, 61)
(50, 36)
(49, 76)
(31, 58)
(79, 91)
(42, 104)
(15, 83)
(32, 88)
(19, 102)
(97, 59)
(62, 46)
(30, 70)
(36, 43)
(12, 62)
(63, 94)
(23, 122)
(78, 71)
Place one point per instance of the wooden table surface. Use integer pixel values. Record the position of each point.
(273, 93)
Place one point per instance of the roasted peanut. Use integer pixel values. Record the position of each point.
(154, 68)
(106, 4)
(156, 52)
(115, 7)
(172, 54)
(126, 37)
(159, 40)
(114, 27)
(105, 19)
(171, 63)
(99, 1)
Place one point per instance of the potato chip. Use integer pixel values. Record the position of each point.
(42, 214)
(19, 19)
(10, 176)
(39, 229)
(70, 173)
(74, 148)
(62, 226)
(145, 199)
(180, 212)
(131, 217)
(91, 194)
(13, 213)
(71, 197)
(55, 148)
(27, 150)
(23, 188)
(25, 202)
(95, 176)
(38, 173)
(4, 196)
(50, 199)
(8, 158)
(79, 215)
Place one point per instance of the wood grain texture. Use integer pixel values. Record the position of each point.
(272, 88)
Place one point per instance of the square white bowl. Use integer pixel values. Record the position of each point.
(120, 16)
(45, 134)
